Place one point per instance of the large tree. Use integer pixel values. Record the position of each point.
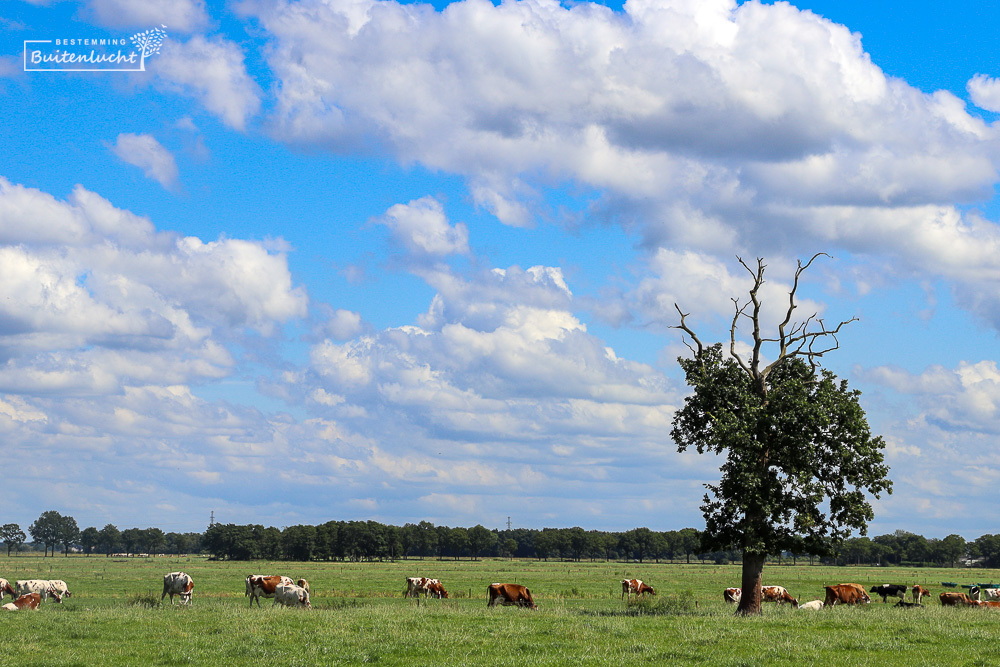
(12, 535)
(798, 453)
(48, 529)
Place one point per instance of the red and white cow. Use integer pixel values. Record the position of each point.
(732, 595)
(178, 583)
(304, 584)
(635, 587)
(429, 587)
(510, 595)
(60, 587)
(291, 595)
(777, 594)
(263, 585)
(919, 592)
(27, 601)
(43, 587)
(5, 587)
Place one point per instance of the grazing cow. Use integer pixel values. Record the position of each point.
(732, 595)
(815, 605)
(41, 586)
(956, 600)
(919, 592)
(635, 587)
(304, 584)
(907, 605)
(27, 601)
(60, 587)
(889, 590)
(5, 587)
(436, 590)
(178, 583)
(777, 594)
(510, 594)
(846, 594)
(291, 595)
(429, 587)
(262, 585)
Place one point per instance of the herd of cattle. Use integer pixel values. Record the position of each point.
(29, 593)
(856, 594)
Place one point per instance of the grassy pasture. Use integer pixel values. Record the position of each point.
(359, 616)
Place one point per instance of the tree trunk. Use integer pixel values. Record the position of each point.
(753, 573)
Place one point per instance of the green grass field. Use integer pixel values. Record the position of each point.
(360, 616)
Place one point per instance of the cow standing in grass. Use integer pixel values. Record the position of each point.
(635, 587)
(510, 595)
(178, 583)
(262, 585)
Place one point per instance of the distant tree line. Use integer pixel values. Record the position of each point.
(371, 540)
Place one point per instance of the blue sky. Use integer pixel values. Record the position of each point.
(403, 262)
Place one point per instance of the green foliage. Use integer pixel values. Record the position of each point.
(798, 458)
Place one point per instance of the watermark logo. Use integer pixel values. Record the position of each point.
(102, 54)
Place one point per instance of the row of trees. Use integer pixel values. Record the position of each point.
(371, 540)
(52, 530)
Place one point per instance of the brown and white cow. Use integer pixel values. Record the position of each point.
(291, 595)
(636, 587)
(304, 584)
(429, 587)
(436, 590)
(846, 594)
(777, 594)
(977, 593)
(956, 600)
(732, 595)
(5, 587)
(919, 592)
(263, 585)
(60, 587)
(510, 594)
(27, 601)
(178, 583)
(43, 587)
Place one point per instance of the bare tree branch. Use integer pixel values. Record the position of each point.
(686, 329)
(795, 338)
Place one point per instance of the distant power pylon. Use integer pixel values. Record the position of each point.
(508, 523)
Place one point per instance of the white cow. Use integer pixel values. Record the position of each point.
(60, 587)
(291, 595)
(178, 583)
(41, 586)
(815, 605)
